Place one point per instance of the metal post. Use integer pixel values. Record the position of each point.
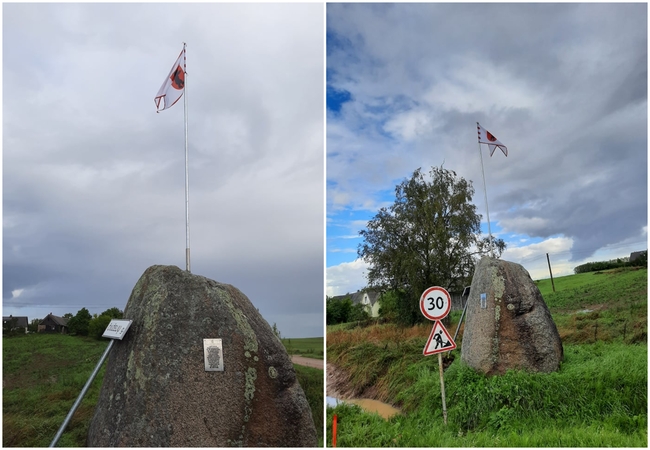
(81, 395)
(486, 201)
(461, 320)
(549, 271)
(187, 185)
(442, 388)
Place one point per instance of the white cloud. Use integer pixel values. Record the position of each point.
(346, 278)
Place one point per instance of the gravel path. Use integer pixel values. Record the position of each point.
(309, 362)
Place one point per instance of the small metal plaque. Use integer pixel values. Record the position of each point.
(484, 301)
(117, 328)
(213, 355)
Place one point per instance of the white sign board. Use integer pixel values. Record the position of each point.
(213, 355)
(117, 329)
(435, 303)
(439, 340)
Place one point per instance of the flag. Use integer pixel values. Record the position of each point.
(485, 137)
(173, 87)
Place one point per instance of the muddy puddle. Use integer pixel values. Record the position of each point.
(336, 394)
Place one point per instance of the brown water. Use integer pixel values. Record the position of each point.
(337, 393)
(375, 406)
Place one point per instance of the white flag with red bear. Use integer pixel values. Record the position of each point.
(485, 137)
(173, 87)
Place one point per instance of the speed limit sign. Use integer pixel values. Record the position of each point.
(435, 303)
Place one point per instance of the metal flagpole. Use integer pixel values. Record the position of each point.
(486, 199)
(187, 185)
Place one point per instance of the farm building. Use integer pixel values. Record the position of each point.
(636, 255)
(53, 324)
(12, 323)
(369, 299)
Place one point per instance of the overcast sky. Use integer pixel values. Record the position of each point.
(93, 177)
(564, 86)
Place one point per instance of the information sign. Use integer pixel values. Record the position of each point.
(435, 303)
(213, 355)
(117, 328)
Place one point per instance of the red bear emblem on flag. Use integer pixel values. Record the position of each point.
(178, 78)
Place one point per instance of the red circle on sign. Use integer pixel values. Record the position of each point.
(435, 303)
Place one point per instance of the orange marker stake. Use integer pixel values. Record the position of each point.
(334, 431)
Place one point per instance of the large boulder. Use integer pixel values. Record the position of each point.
(157, 391)
(511, 327)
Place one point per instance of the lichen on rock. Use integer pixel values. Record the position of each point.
(520, 336)
(157, 393)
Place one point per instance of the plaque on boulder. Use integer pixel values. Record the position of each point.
(508, 325)
(199, 367)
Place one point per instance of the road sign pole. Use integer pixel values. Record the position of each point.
(435, 304)
(442, 388)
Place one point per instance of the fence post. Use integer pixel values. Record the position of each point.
(549, 271)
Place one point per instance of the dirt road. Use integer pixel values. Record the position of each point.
(309, 362)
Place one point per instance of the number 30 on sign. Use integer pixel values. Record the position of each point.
(435, 303)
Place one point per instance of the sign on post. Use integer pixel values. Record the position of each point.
(117, 328)
(439, 340)
(435, 304)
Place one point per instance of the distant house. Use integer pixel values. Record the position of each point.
(369, 300)
(636, 255)
(53, 324)
(12, 323)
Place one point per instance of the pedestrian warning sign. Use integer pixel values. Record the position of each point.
(439, 340)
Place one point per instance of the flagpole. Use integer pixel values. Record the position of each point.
(187, 185)
(486, 199)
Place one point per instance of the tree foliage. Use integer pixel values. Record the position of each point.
(113, 313)
(97, 326)
(276, 331)
(337, 310)
(33, 325)
(344, 310)
(641, 261)
(80, 322)
(430, 236)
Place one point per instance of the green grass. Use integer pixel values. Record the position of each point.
(307, 347)
(312, 382)
(597, 398)
(43, 375)
(610, 306)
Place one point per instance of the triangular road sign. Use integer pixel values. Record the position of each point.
(439, 340)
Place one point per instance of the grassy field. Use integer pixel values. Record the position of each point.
(598, 397)
(308, 347)
(42, 376)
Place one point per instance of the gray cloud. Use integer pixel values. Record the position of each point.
(94, 178)
(563, 85)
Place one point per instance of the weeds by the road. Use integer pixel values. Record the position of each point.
(597, 398)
